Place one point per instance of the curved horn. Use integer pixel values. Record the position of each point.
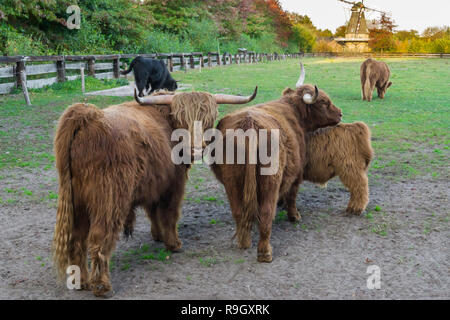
(230, 99)
(302, 76)
(162, 99)
(308, 99)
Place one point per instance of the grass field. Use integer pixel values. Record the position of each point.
(408, 179)
(410, 127)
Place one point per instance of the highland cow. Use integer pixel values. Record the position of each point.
(344, 151)
(253, 196)
(113, 160)
(374, 74)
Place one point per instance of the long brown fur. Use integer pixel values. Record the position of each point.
(109, 162)
(344, 151)
(252, 196)
(374, 74)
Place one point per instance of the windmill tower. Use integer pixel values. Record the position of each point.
(357, 34)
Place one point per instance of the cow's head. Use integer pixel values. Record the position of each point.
(315, 107)
(171, 84)
(382, 90)
(188, 107)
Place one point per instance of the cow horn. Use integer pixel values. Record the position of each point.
(302, 76)
(230, 99)
(308, 99)
(162, 99)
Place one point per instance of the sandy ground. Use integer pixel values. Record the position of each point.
(326, 256)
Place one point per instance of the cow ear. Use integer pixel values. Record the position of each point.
(287, 91)
(177, 80)
(389, 84)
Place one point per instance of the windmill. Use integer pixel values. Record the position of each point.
(357, 34)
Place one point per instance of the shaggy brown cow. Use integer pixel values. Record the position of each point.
(109, 162)
(344, 151)
(252, 195)
(374, 74)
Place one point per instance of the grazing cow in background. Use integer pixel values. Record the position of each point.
(252, 195)
(344, 151)
(113, 160)
(151, 72)
(374, 74)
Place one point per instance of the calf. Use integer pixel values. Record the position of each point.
(374, 74)
(344, 151)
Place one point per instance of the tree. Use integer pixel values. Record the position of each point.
(304, 37)
(382, 38)
(340, 31)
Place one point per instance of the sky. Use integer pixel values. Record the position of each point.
(407, 14)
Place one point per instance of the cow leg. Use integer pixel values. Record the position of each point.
(78, 246)
(129, 224)
(363, 93)
(101, 241)
(267, 210)
(370, 93)
(169, 212)
(156, 230)
(267, 214)
(292, 212)
(357, 183)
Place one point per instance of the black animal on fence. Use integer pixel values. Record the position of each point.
(151, 72)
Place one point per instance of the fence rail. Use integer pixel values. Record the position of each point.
(63, 68)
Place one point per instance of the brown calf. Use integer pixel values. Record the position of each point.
(344, 151)
(374, 74)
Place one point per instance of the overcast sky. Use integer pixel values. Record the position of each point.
(407, 14)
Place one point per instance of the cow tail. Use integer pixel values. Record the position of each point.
(367, 83)
(249, 197)
(129, 68)
(72, 120)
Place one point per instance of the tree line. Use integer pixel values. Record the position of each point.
(36, 27)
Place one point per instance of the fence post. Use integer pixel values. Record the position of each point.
(61, 70)
(116, 68)
(192, 61)
(20, 66)
(170, 62)
(23, 84)
(224, 58)
(202, 61)
(91, 67)
(218, 59)
(82, 79)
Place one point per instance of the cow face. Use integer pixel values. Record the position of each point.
(315, 107)
(171, 85)
(382, 90)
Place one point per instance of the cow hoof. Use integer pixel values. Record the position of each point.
(264, 257)
(294, 217)
(102, 290)
(174, 247)
(353, 211)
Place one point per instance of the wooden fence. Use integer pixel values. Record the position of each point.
(20, 69)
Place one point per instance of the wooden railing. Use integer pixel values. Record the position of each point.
(30, 71)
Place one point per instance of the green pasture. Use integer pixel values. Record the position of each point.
(410, 127)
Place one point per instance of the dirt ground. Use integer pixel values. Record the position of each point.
(405, 232)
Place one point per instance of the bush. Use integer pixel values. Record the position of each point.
(13, 42)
